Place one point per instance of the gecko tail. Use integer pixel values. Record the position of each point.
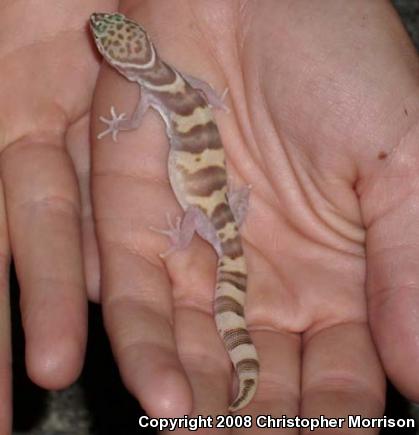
(248, 383)
(229, 318)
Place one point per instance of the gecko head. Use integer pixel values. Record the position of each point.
(122, 42)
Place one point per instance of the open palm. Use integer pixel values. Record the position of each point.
(323, 125)
(323, 99)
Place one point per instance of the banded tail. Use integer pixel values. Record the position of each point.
(230, 294)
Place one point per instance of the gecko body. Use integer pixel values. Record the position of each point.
(197, 174)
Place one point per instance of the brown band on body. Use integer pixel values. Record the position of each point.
(221, 216)
(232, 247)
(198, 139)
(225, 304)
(159, 74)
(205, 181)
(183, 103)
(237, 279)
(236, 337)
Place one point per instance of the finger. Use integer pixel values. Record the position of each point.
(129, 188)
(137, 313)
(205, 360)
(391, 214)
(79, 150)
(278, 391)
(207, 365)
(5, 345)
(137, 299)
(342, 374)
(44, 223)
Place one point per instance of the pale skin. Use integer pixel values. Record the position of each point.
(324, 124)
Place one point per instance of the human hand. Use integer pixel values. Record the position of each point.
(323, 126)
(47, 75)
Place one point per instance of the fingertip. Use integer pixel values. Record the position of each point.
(162, 391)
(56, 364)
(172, 398)
(400, 366)
(394, 322)
(55, 329)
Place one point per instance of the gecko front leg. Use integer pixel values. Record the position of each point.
(121, 123)
(214, 100)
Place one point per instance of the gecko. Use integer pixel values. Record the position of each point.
(197, 175)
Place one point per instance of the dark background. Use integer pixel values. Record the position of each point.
(98, 403)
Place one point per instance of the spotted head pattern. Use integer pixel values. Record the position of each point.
(122, 42)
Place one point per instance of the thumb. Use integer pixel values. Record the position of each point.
(390, 206)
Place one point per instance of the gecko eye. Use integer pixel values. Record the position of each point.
(101, 22)
(101, 27)
(118, 17)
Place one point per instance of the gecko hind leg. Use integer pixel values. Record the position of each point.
(214, 100)
(120, 122)
(181, 231)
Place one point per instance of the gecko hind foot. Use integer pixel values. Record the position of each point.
(174, 232)
(238, 199)
(113, 124)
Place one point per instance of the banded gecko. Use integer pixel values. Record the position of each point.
(197, 174)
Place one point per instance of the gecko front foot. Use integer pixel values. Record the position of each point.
(220, 102)
(113, 124)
